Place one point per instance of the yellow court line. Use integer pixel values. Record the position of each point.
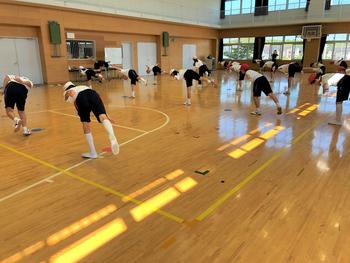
(221, 200)
(89, 182)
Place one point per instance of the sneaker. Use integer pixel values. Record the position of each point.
(334, 122)
(115, 147)
(132, 97)
(89, 156)
(255, 113)
(279, 110)
(286, 93)
(26, 132)
(18, 124)
(187, 103)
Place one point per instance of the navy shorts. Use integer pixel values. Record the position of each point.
(261, 84)
(15, 94)
(156, 70)
(189, 76)
(343, 89)
(133, 76)
(89, 101)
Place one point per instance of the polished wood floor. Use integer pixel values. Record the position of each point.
(267, 189)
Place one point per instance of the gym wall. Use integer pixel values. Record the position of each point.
(103, 28)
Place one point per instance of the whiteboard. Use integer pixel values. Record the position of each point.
(113, 55)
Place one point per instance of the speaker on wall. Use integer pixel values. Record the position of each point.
(165, 39)
(55, 32)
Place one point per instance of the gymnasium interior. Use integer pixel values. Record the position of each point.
(202, 182)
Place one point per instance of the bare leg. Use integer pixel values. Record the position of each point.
(10, 113)
(278, 106)
(17, 121)
(239, 85)
(338, 114)
(132, 91)
(23, 117)
(325, 88)
(257, 102)
(290, 83)
(188, 100)
(86, 127)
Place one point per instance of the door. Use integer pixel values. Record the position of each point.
(147, 55)
(127, 55)
(29, 62)
(8, 61)
(188, 52)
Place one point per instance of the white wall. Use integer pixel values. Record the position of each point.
(200, 12)
(205, 12)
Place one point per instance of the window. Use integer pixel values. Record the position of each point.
(276, 5)
(337, 47)
(340, 2)
(236, 7)
(287, 47)
(239, 48)
(80, 49)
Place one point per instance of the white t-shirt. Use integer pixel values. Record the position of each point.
(284, 68)
(198, 64)
(253, 75)
(125, 72)
(76, 90)
(180, 75)
(331, 79)
(12, 79)
(268, 64)
(236, 66)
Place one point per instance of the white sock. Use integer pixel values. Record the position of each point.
(16, 119)
(278, 105)
(133, 94)
(257, 110)
(90, 141)
(109, 128)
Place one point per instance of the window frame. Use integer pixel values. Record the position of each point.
(83, 40)
(333, 43)
(277, 41)
(236, 43)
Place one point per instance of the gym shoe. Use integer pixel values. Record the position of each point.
(26, 132)
(279, 110)
(335, 122)
(255, 113)
(18, 124)
(132, 97)
(115, 147)
(286, 93)
(89, 156)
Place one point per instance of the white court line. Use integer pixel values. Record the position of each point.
(115, 125)
(49, 178)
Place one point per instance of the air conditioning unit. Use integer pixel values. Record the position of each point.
(311, 32)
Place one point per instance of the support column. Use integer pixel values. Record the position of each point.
(311, 52)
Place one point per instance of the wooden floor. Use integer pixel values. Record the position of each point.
(277, 189)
